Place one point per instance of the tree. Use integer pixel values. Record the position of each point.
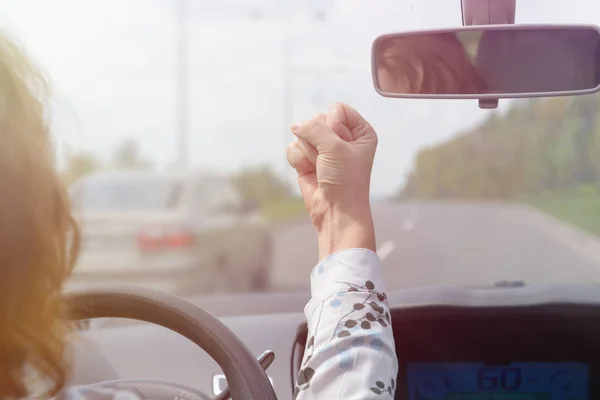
(128, 156)
(79, 165)
(260, 185)
(539, 145)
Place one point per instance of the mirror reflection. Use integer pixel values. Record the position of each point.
(471, 62)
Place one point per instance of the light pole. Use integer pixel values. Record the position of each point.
(182, 84)
(286, 74)
(318, 74)
(290, 71)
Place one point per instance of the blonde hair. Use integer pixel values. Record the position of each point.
(38, 236)
(428, 64)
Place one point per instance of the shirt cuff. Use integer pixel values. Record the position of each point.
(351, 268)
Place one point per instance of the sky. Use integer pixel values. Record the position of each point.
(113, 65)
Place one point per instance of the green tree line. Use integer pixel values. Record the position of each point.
(126, 156)
(258, 185)
(539, 145)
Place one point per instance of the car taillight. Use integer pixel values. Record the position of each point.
(165, 238)
(180, 239)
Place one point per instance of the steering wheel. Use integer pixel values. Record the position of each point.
(245, 377)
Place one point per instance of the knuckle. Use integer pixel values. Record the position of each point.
(338, 146)
(365, 130)
(315, 123)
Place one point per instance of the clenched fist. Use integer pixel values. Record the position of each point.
(333, 155)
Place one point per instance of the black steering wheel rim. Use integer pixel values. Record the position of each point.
(245, 377)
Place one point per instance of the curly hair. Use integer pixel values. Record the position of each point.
(38, 236)
(427, 64)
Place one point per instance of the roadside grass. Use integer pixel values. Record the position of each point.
(284, 210)
(579, 206)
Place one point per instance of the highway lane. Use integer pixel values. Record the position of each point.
(472, 244)
(452, 243)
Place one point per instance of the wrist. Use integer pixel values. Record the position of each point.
(345, 228)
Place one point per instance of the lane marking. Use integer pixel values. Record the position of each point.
(409, 223)
(385, 249)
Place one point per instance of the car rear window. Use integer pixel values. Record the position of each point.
(216, 195)
(128, 195)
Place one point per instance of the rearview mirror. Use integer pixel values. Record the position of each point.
(495, 61)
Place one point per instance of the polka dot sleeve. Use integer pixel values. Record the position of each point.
(350, 352)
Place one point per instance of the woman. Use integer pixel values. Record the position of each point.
(38, 236)
(350, 353)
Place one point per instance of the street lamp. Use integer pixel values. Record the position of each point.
(182, 74)
(289, 71)
(182, 83)
(318, 74)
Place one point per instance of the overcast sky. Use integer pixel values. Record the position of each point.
(113, 65)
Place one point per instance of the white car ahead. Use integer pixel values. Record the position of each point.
(187, 233)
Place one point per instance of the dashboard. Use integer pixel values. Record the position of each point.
(545, 352)
(548, 351)
(539, 343)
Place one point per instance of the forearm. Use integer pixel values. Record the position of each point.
(346, 228)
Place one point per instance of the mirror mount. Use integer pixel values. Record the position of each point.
(488, 12)
(488, 104)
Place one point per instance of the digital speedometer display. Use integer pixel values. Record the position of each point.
(516, 381)
(498, 396)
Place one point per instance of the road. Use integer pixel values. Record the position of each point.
(472, 244)
(469, 244)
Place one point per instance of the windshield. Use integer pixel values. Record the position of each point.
(460, 195)
(127, 195)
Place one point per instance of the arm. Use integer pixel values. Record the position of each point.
(350, 352)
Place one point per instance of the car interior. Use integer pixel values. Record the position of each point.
(511, 342)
